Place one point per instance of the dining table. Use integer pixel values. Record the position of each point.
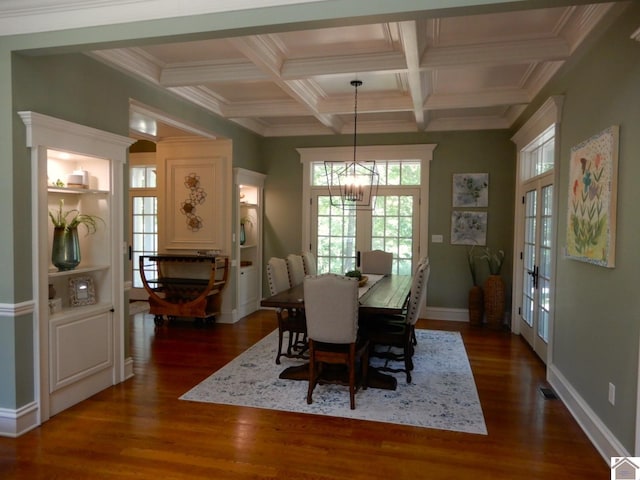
(380, 295)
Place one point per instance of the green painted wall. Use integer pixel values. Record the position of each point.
(457, 152)
(597, 320)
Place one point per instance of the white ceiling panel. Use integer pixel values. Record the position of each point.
(425, 74)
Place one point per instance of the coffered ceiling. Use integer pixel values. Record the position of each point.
(454, 73)
(423, 74)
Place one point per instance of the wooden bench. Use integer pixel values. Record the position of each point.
(184, 285)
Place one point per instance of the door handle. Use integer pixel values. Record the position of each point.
(534, 273)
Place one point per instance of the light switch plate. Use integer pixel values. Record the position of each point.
(436, 239)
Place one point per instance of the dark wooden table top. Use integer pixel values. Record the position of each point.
(387, 296)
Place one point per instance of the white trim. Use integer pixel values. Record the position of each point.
(14, 423)
(605, 442)
(128, 368)
(17, 309)
(548, 114)
(30, 16)
(450, 314)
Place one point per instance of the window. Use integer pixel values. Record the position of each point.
(397, 224)
(144, 217)
(538, 157)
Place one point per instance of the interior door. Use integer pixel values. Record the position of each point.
(536, 268)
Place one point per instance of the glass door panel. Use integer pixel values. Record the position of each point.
(536, 274)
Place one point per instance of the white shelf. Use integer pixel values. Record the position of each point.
(75, 191)
(53, 272)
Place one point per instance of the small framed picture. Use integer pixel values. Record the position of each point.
(81, 291)
(468, 228)
(470, 189)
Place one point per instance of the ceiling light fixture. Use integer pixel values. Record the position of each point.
(353, 185)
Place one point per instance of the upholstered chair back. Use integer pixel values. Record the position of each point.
(418, 293)
(296, 269)
(376, 262)
(310, 263)
(277, 275)
(331, 307)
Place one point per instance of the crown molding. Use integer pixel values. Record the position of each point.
(31, 16)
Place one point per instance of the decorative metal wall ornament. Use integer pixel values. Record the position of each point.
(197, 196)
(353, 185)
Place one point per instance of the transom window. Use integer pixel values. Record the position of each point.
(538, 157)
(390, 172)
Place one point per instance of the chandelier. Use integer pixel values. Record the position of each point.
(353, 185)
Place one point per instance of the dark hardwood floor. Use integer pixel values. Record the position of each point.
(140, 429)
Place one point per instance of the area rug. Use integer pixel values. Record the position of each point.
(442, 393)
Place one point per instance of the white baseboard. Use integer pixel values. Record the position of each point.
(14, 423)
(128, 368)
(451, 314)
(605, 442)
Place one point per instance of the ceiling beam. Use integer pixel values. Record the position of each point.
(265, 55)
(413, 43)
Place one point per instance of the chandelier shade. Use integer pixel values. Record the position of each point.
(353, 185)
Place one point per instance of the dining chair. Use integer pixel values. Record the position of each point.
(376, 262)
(310, 263)
(331, 305)
(290, 321)
(295, 266)
(390, 334)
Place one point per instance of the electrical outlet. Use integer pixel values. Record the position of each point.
(612, 393)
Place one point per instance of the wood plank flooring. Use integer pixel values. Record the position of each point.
(140, 429)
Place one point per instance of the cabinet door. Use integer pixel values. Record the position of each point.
(81, 357)
(247, 285)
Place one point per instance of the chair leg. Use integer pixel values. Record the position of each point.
(365, 368)
(279, 345)
(312, 373)
(352, 376)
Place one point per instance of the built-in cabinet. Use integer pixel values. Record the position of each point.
(80, 312)
(248, 240)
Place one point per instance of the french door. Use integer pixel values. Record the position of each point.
(536, 268)
(393, 226)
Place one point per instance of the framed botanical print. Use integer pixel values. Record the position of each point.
(470, 190)
(591, 215)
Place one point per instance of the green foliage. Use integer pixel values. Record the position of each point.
(471, 259)
(494, 260)
(60, 219)
(354, 273)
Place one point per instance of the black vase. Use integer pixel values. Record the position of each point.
(65, 254)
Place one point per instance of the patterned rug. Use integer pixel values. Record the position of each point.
(442, 394)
